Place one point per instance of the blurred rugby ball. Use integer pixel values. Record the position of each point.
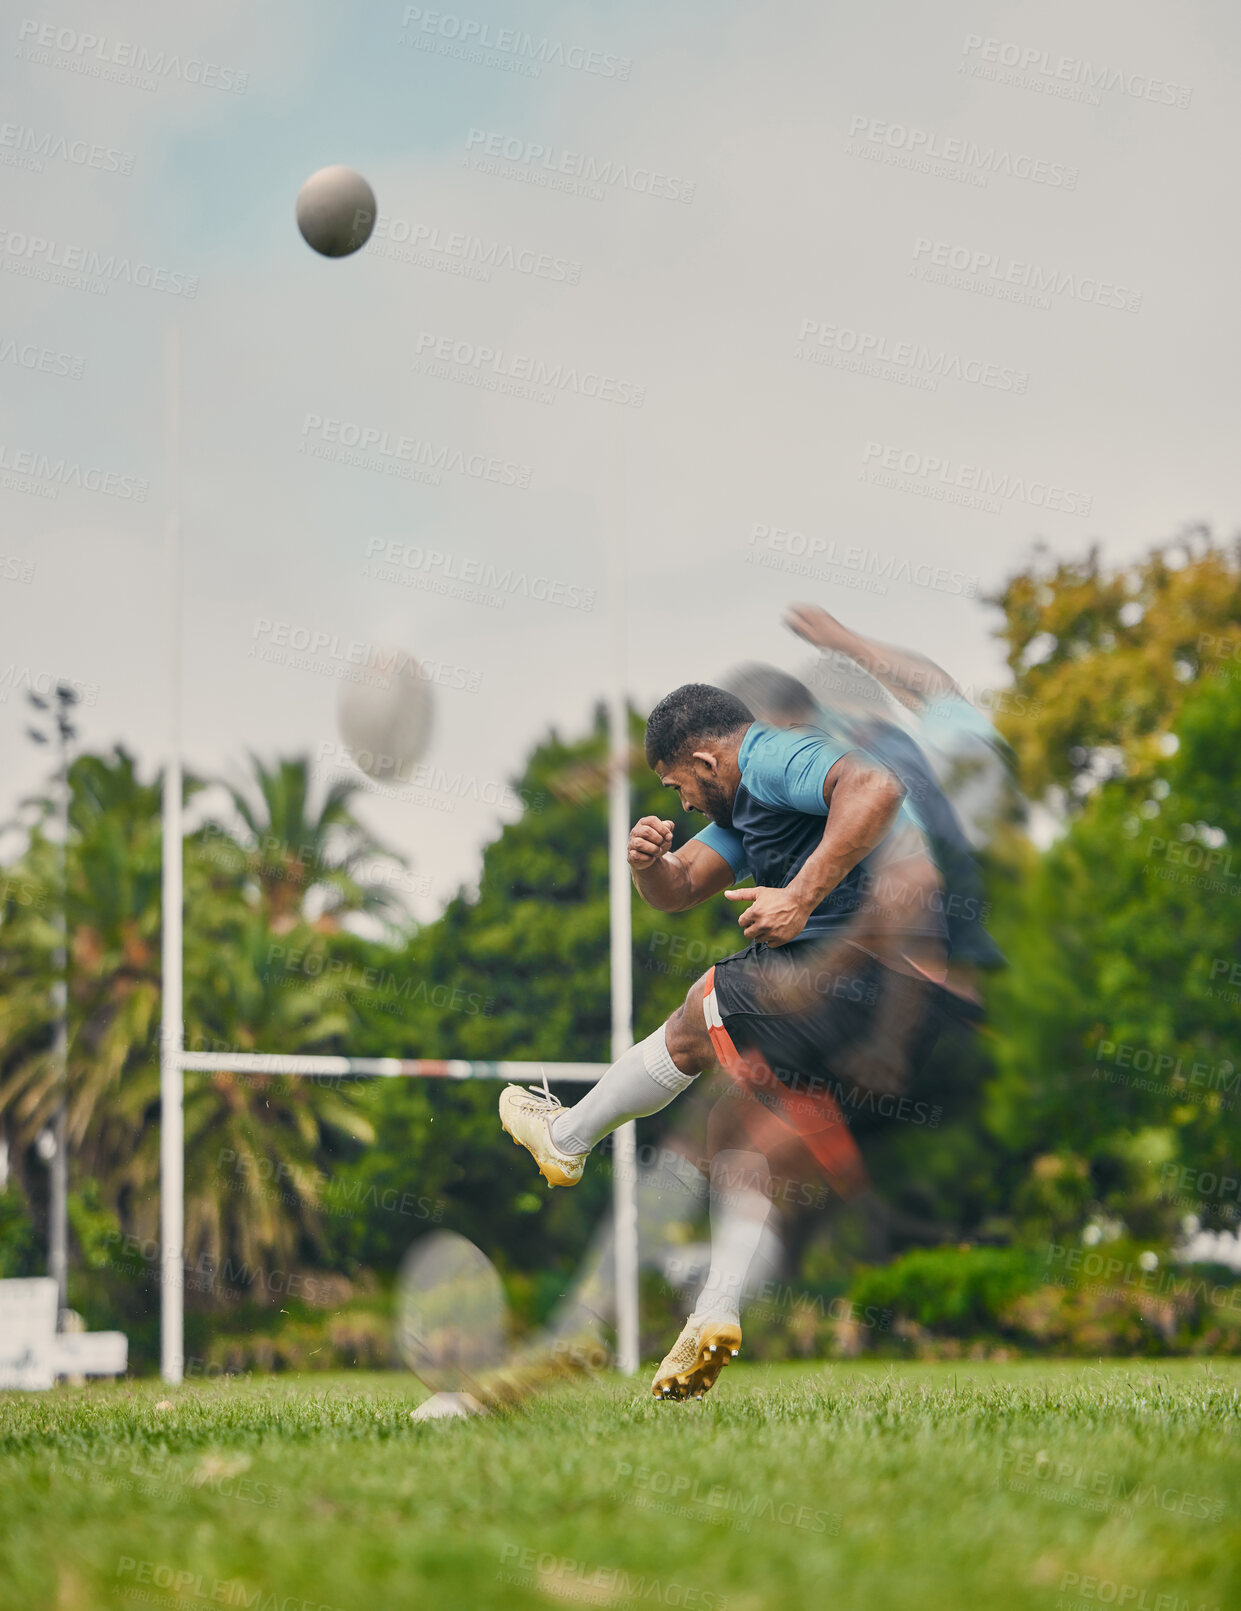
(385, 717)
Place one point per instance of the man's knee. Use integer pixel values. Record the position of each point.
(689, 1044)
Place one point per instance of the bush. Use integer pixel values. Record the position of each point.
(959, 1291)
(987, 1295)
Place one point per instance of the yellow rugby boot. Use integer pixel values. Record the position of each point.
(695, 1360)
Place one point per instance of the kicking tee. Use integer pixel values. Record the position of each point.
(778, 817)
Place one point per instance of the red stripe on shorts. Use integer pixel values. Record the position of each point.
(815, 1117)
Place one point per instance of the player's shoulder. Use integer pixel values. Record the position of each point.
(765, 746)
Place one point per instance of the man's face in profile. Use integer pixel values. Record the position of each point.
(697, 780)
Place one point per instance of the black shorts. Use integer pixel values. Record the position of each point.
(833, 1018)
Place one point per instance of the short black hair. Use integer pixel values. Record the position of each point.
(772, 693)
(688, 714)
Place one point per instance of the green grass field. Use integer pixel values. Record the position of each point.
(856, 1487)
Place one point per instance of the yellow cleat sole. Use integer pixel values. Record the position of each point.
(718, 1346)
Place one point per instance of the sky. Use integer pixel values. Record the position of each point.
(672, 316)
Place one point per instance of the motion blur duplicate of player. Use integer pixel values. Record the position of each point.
(971, 763)
(955, 749)
(832, 992)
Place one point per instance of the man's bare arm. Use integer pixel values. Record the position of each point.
(674, 881)
(864, 799)
(911, 678)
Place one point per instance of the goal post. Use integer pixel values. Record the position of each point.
(175, 1061)
(449, 1068)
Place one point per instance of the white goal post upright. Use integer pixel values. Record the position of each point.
(172, 1031)
(620, 926)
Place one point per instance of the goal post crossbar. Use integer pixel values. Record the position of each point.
(450, 1068)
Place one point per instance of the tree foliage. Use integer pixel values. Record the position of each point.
(1116, 1044)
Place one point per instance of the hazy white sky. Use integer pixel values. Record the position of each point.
(892, 291)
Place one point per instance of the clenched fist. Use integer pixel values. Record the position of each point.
(649, 839)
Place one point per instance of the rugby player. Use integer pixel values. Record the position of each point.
(829, 980)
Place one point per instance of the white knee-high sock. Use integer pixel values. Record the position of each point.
(669, 1192)
(641, 1082)
(744, 1246)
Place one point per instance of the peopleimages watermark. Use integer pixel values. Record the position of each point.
(1188, 1081)
(664, 1171)
(24, 892)
(1185, 861)
(15, 679)
(119, 61)
(507, 156)
(477, 581)
(989, 273)
(564, 1577)
(281, 861)
(24, 147)
(390, 991)
(515, 374)
(799, 553)
(295, 1186)
(17, 570)
(907, 363)
(1181, 1186)
(328, 654)
(423, 782)
(86, 268)
(372, 447)
(929, 475)
(772, 1301)
(1094, 1591)
(970, 162)
(1066, 1480)
(457, 252)
(44, 475)
(804, 1095)
(39, 359)
(1212, 647)
(183, 1584)
(468, 39)
(1106, 1272)
(232, 1280)
(674, 1492)
(148, 1473)
(693, 956)
(1073, 78)
(1221, 968)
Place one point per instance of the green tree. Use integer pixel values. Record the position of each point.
(297, 846)
(1115, 1044)
(1103, 656)
(242, 1133)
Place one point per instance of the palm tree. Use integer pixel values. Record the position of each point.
(112, 881)
(273, 1128)
(295, 848)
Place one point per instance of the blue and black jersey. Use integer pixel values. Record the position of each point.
(779, 815)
